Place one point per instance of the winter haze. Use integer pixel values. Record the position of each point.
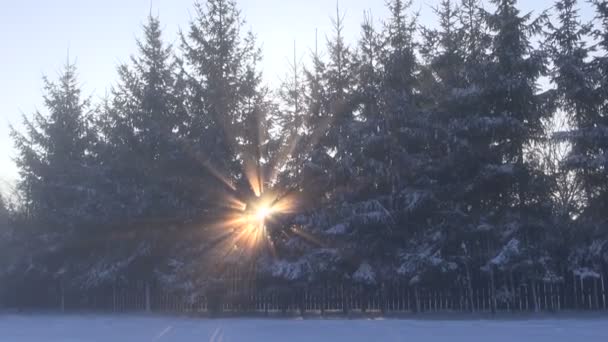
(100, 34)
(288, 170)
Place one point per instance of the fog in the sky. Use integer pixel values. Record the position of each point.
(37, 35)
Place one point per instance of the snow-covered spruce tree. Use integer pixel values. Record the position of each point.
(346, 214)
(409, 148)
(372, 223)
(224, 82)
(405, 123)
(369, 74)
(285, 275)
(57, 172)
(592, 130)
(467, 151)
(227, 123)
(449, 82)
(146, 173)
(292, 118)
(514, 196)
(574, 78)
(316, 105)
(329, 100)
(581, 84)
(572, 73)
(304, 117)
(339, 74)
(359, 222)
(324, 159)
(371, 154)
(444, 52)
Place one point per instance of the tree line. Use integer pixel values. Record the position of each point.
(425, 155)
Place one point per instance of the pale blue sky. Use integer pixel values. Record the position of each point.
(36, 35)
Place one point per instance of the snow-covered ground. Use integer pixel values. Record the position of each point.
(85, 328)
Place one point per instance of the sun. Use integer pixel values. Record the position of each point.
(248, 223)
(263, 212)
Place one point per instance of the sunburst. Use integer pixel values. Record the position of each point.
(250, 219)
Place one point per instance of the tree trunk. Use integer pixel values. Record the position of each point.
(148, 302)
(302, 302)
(113, 298)
(323, 299)
(417, 298)
(575, 298)
(596, 295)
(62, 296)
(603, 292)
(382, 299)
(492, 291)
(582, 288)
(512, 286)
(544, 305)
(345, 306)
(534, 296)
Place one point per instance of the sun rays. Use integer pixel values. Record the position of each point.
(253, 207)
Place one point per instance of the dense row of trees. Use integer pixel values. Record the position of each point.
(419, 154)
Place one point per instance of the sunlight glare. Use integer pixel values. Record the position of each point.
(263, 212)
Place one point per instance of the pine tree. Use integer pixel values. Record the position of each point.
(516, 195)
(227, 132)
(144, 125)
(341, 121)
(146, 173)
(317, 107)
(581, 84)
(369, 72)
(513, 84)
(54, 155)
(597, 164)
(567, 48)
(224, 82)
(399, 60)
(57, 169)
(573, 77)
(461, 115)
(591, 123)
(339, 78)
(328, 104)
(371, 155)
(293, 119)
(398, 100)
(449, 84)
(412, 202)
(399, 77)
(444, 52)
(475, 28)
